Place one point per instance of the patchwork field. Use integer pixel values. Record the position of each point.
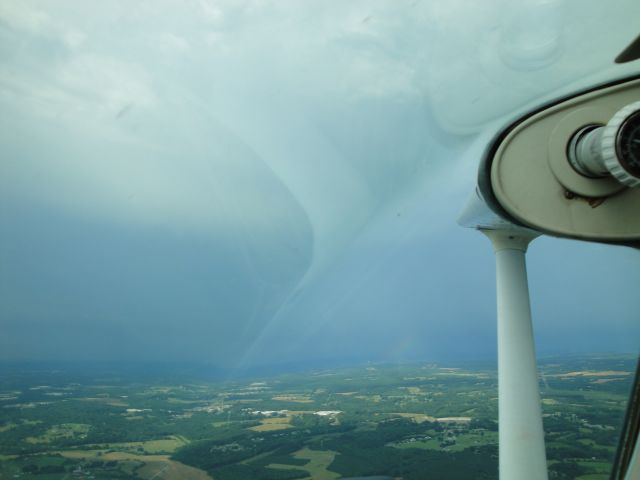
(317, 465)
(140, 466)
(409, 422)
(271, 424)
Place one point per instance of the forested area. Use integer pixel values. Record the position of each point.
(401, 421)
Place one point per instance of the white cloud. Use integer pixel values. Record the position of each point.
(107, 83)
(25, 17)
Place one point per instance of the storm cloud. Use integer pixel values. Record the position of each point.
(274, 181)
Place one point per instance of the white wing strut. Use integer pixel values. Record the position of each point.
(522, 450)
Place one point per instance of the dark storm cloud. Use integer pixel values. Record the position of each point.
(278, 181)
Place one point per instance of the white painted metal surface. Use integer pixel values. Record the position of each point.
(522, 450)
(633, 472)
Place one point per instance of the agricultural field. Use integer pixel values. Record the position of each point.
(380, 422)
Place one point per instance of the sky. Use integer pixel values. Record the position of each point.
(267, 181)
